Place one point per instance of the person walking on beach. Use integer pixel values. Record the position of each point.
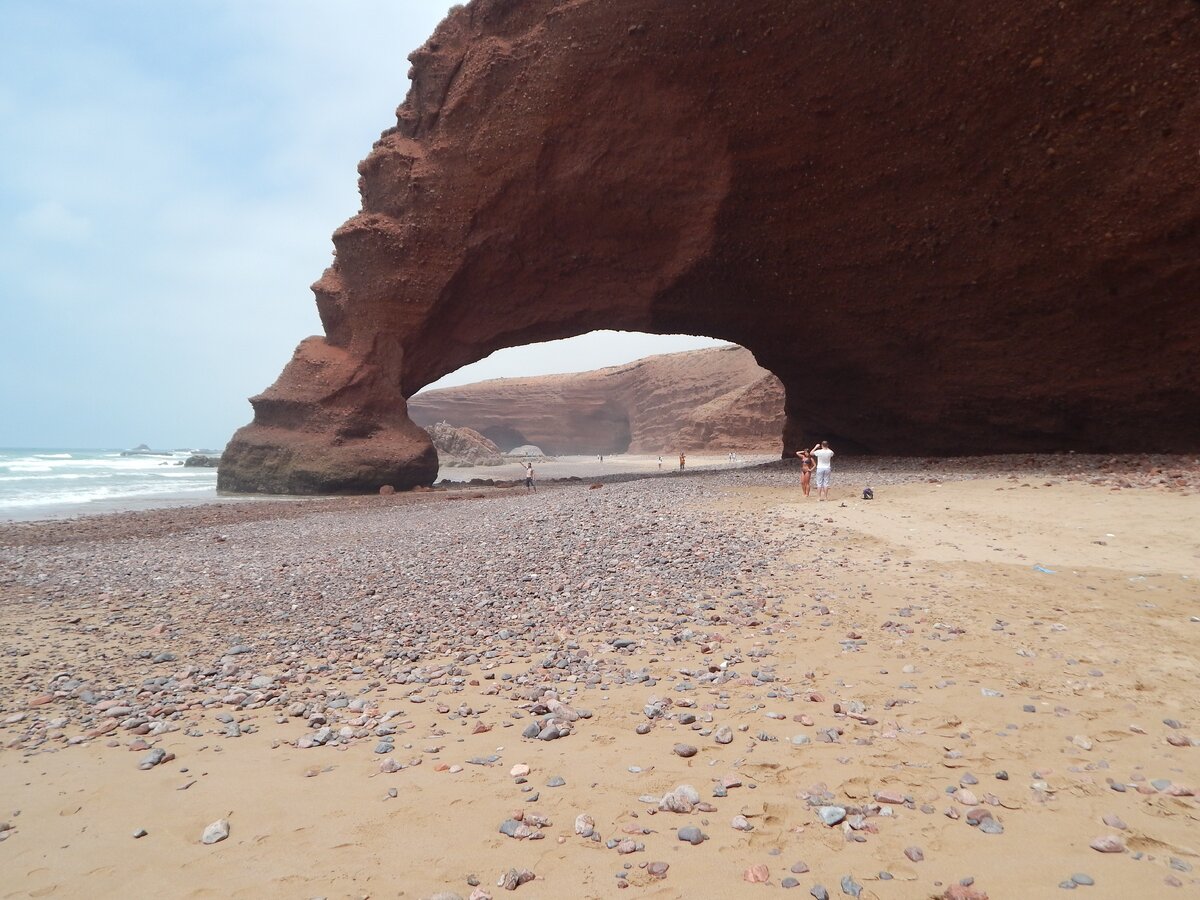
(529, 486)
(824, 470)
(682, 460)
(660, 462)
(807, 464)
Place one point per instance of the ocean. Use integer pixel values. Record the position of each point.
(47, 483)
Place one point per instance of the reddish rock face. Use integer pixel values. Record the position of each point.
(717, 399)
(946, 227)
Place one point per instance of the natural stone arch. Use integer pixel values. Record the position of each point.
(944, 228)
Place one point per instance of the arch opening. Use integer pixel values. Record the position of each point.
(607, 393)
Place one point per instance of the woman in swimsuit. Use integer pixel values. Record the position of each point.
(807, 464)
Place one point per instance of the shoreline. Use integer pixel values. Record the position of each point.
(1173, 472)
(335, 676)
(558, 469)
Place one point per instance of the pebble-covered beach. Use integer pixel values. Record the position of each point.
(982, 683)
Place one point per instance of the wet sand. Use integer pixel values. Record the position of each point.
(1020, 632)
(592, 467)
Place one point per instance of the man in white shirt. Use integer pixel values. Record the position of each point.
(824, 472)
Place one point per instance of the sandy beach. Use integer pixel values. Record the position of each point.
(981, 683)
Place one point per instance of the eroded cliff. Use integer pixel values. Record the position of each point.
(717, 399)
(945, 227)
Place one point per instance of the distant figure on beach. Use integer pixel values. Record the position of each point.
(824, 470)
(682, 460)
(807, 464)
(529, 486)
(660, 462)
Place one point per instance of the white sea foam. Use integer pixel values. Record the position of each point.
(78, 498)
(42, 479)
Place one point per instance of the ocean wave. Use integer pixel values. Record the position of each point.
(117, 463)
(57, 476)
(83, 497)
(53, 455)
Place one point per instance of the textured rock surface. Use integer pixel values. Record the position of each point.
(944, 226)
(716, 399)
(463, 446)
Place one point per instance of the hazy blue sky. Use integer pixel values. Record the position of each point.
(170, 177)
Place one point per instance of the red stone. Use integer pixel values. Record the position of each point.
(901, 251)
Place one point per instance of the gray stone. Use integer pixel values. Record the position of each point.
(510, 827)
(691, 834)
(152, 758)
(215, 832)
(831, 815)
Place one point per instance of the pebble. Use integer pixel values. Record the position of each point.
(1081, 878)
(831, 815)
(691, 834)
(153, 758)
(215, 832)
(514, 878)
(819, 892)
(850, 887)
(1108, 844)
(757, 874)
(685, 750)
(681, 800)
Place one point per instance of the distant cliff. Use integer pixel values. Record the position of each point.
(717, 399)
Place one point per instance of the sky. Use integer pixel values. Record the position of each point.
(169, 181)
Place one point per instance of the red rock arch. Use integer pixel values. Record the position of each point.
(946, 227)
